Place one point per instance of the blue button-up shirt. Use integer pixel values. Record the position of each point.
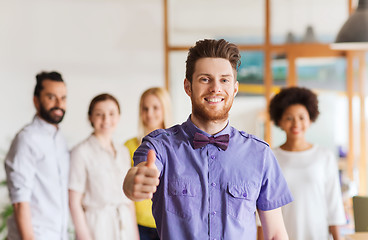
(208, 193)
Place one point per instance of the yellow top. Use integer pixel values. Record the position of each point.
(143, 209)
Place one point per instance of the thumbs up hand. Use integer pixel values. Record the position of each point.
(151, 158)
(142, 180)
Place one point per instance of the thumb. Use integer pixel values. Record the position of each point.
(151, 158)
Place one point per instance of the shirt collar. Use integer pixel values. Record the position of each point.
(49, 128)
(93, 139)
(191, 129)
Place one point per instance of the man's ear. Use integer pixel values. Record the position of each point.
(188, 87)
(36, 102)
(236, 88)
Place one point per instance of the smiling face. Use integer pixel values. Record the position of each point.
(152, 113)
(105, 117)
(51, 103)
(212, 90)
(295, 121)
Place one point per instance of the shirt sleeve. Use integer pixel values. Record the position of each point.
(20, 167)
(333, 195)
(148, 143)
(78, 170)
(274, 191)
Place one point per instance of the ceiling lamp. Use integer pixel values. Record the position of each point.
(354, 33)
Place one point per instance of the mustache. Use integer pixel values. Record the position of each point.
(57, 108)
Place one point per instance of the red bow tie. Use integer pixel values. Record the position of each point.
(201, 140)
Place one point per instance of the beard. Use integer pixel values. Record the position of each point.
(205, 114)
(49, 117)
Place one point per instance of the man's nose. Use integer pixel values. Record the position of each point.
(60, 103)
(57, 103)
(215, 87)
(150, 112)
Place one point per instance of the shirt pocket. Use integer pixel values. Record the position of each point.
(184, 198)
(241, 200)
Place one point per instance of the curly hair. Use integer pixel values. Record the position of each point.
(290, 96)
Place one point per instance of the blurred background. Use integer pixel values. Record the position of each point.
(126, 46)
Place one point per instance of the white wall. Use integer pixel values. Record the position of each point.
(98, 46)
(113, 46)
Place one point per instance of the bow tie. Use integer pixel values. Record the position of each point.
(201, 140)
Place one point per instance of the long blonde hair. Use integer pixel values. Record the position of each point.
(164, 97)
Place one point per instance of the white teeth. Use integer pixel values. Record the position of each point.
(214, 100)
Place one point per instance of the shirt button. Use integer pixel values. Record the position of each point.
(213, 184)
(213, 157)
(213, 213)
(185, 191)
(244, 195)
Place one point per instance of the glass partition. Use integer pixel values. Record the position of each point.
(298, 21)
(322, 73)
(238, 21)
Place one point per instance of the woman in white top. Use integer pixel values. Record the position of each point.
(98, 206)
(310, 170)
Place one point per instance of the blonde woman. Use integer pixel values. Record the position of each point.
(98, 206)
(154, 113)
